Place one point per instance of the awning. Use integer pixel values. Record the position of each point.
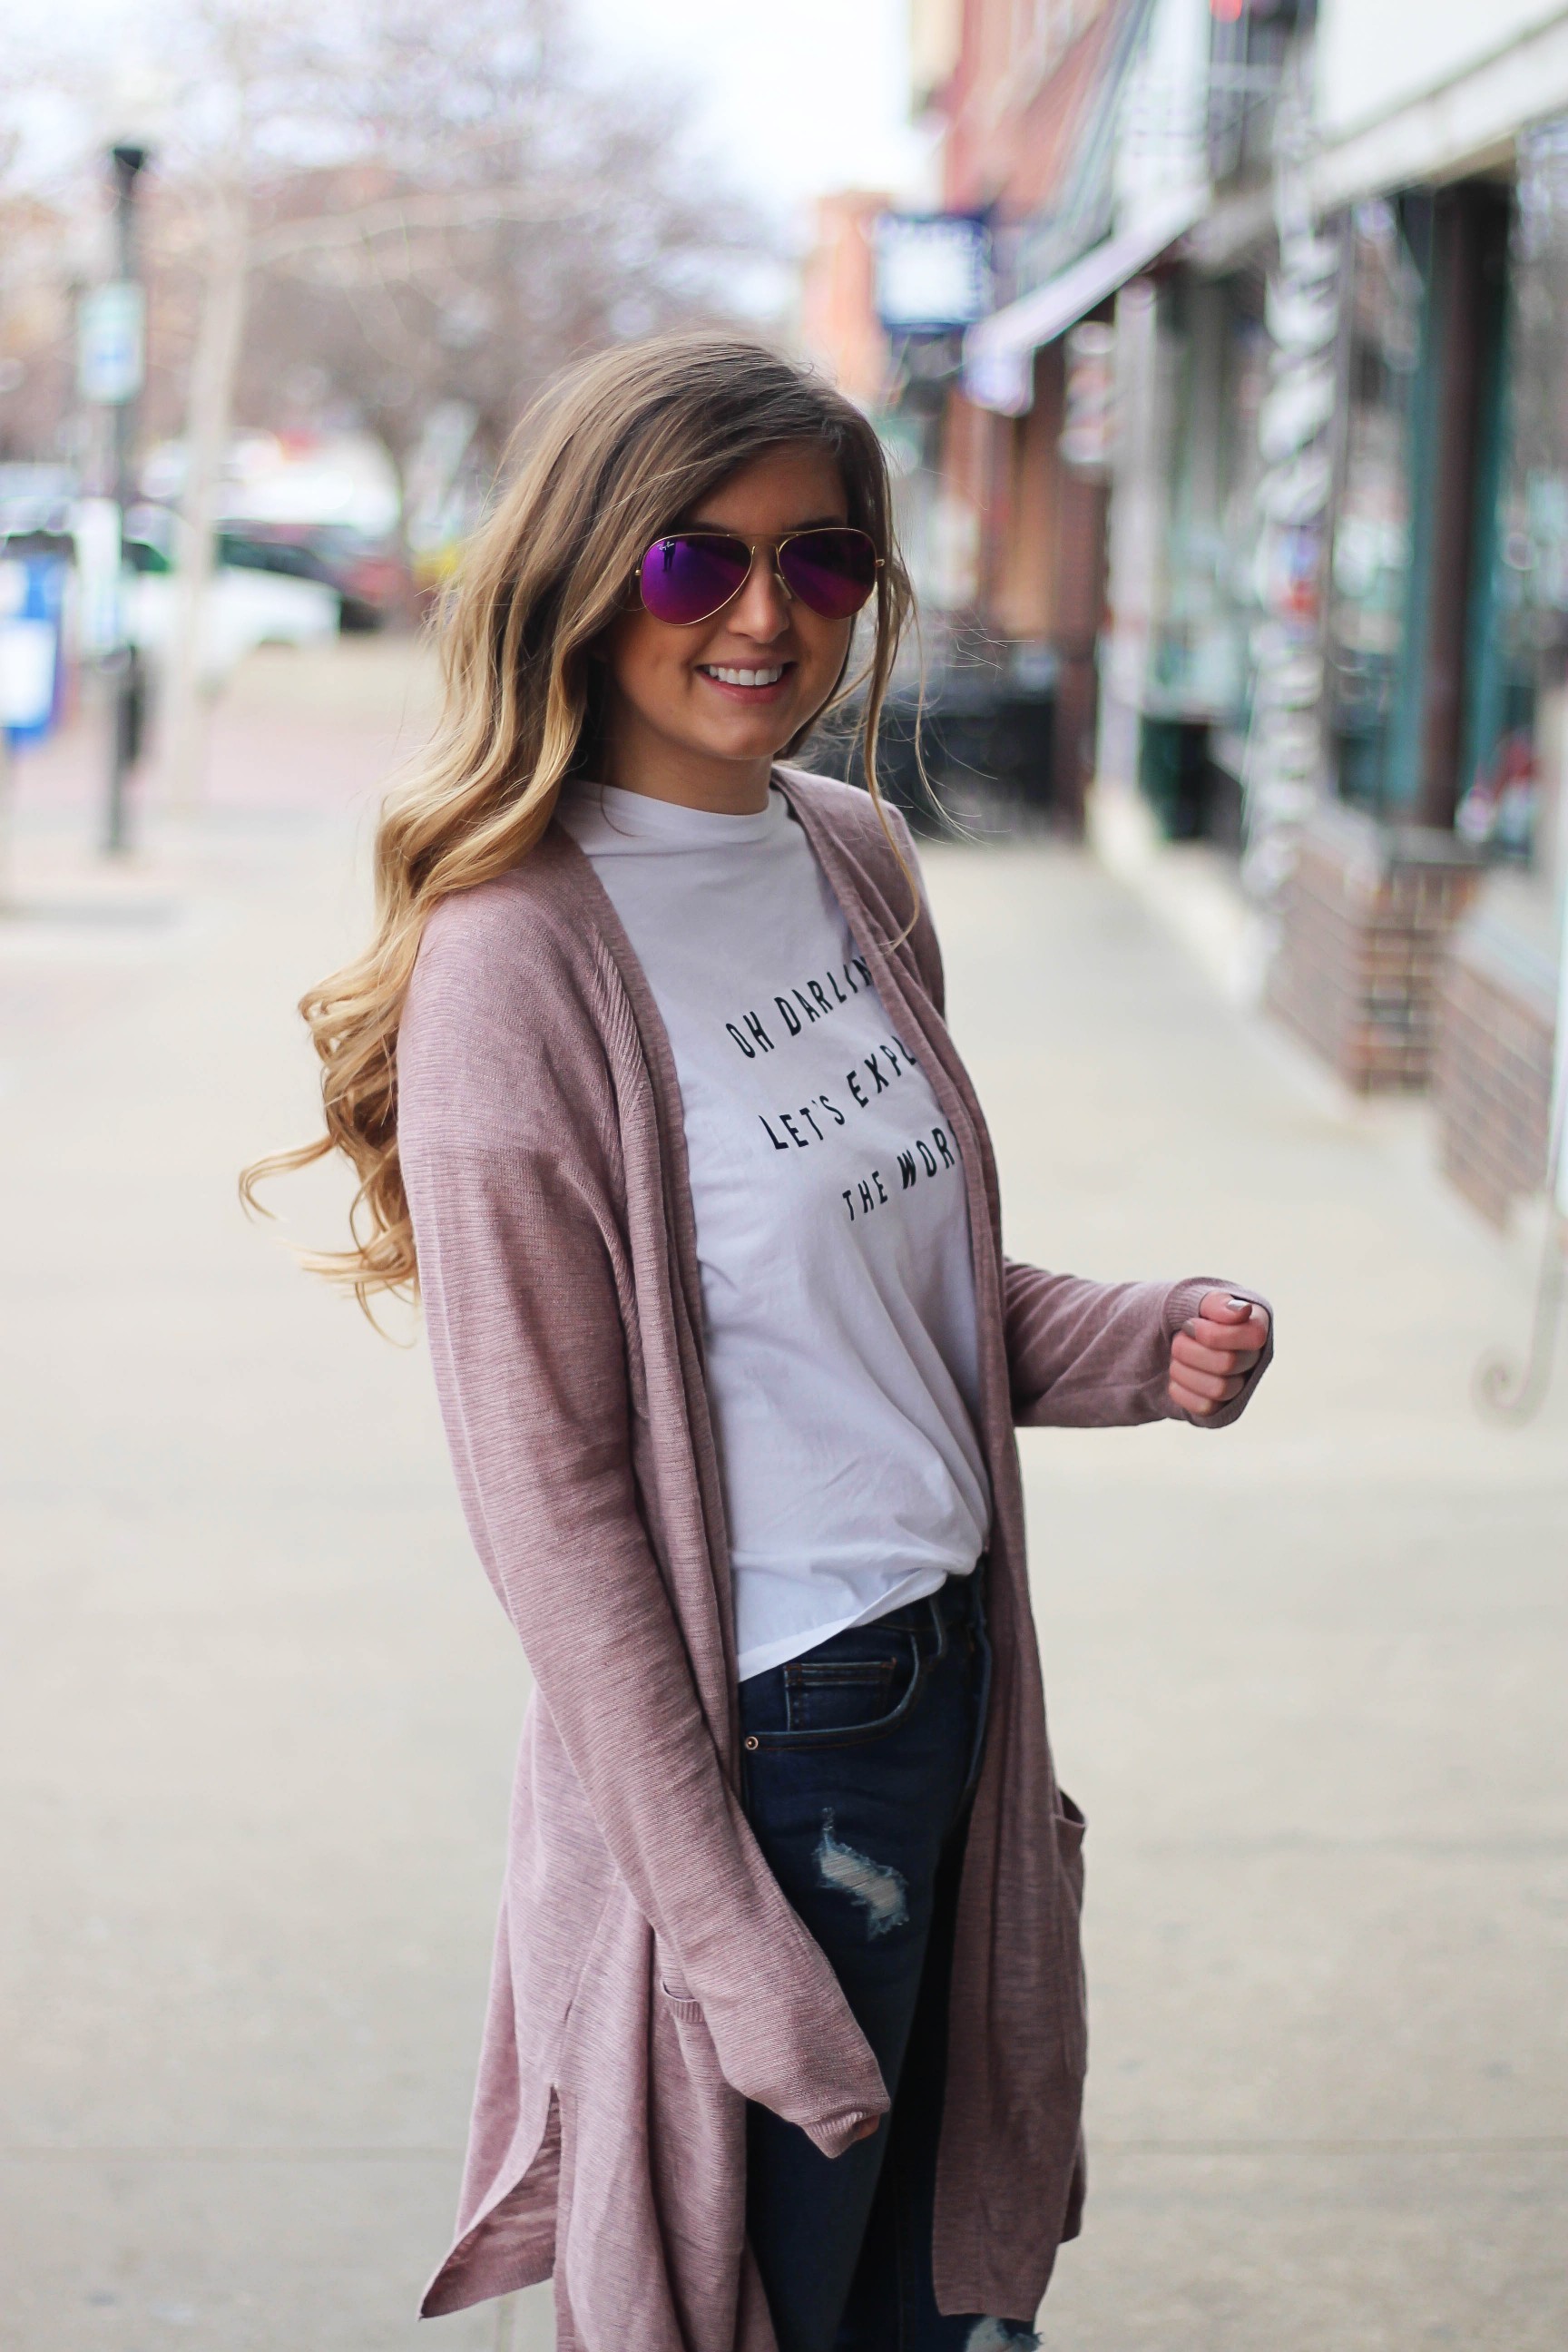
(999, 353)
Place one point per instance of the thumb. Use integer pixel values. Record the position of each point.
(1224, 1306)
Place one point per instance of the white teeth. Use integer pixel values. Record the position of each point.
(744, 676)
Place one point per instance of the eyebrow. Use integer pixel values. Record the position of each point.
(812, 522)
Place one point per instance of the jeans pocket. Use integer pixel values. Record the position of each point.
(839, 1697)
(840, 1693)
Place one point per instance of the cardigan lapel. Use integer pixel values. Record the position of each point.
(954, 1096)
(596, 910)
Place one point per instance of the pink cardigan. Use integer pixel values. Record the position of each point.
(649, 1975)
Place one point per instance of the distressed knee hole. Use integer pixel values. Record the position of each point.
(877, 1886)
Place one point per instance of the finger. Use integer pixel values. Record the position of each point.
(1209, 1384)
(1230, 1307)
(1215, 1340)
(1224, 1306)
(1185, 1399)
(1253, 1334)
(1224, 1357)
(1198, 1408)
(1213, 1388)
(1188, 1401)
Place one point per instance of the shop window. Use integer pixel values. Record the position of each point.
(1370, 563)
(1416, 698)
(1203, 602)
(1518, 622)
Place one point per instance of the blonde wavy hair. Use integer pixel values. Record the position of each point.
(617, 451)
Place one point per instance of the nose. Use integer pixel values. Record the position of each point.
(762, 610)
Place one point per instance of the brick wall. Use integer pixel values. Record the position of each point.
(1497, 1026)
(1364, 925)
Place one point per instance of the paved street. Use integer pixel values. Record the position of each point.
(257, 1705)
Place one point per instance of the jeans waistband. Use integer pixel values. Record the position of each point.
(955, 1602)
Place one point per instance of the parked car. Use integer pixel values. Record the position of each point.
(245, 608)
(36, 501)
(367, 573)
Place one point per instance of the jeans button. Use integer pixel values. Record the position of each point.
(750, 1740)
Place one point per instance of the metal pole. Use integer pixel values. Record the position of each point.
(125, 738)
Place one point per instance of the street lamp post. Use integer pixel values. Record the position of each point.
(128, 163)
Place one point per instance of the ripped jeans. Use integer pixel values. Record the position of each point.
(861, 1762)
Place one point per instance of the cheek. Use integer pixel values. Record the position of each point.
(824, 645)
(645, 668)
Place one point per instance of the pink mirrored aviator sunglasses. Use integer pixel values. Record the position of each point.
(691, 575)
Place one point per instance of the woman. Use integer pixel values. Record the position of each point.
(647, 1082)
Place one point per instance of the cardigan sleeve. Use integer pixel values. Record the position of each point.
(1096, 1355)
(526, 1296)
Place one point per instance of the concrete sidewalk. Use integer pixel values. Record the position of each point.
(1306, 1679)
(257, 1705)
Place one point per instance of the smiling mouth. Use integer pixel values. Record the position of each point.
(722, 674)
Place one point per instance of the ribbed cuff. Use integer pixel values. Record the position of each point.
(841, 2131)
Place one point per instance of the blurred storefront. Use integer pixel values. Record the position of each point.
(1218, 483)
(1336, 636)
(1504, 979)
(1420, 918)
(998, 417)
(1089, 458)
(1032, 104)
(1258, 468)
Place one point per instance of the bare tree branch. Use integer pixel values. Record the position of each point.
(404, 216)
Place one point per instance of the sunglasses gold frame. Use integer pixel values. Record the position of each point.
(738, 538)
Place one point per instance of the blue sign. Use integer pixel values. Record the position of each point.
(32, 598)
(111, 335)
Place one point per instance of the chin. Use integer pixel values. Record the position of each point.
(750, 743)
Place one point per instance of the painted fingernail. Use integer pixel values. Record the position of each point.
(1239, 1302)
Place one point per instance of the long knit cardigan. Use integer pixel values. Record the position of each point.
(650, 1975)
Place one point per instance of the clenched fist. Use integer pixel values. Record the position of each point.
(1212, 1355)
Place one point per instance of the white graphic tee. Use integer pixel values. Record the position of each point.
(832, 1223)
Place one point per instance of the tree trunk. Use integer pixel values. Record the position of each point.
(214, 370)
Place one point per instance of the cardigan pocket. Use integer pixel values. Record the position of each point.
(1069, 1825)
(678, 2003)
(685, 2010)
(671, 1979)
(699, 2054)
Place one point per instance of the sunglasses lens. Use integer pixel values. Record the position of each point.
(691, 575)
(832, 571)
